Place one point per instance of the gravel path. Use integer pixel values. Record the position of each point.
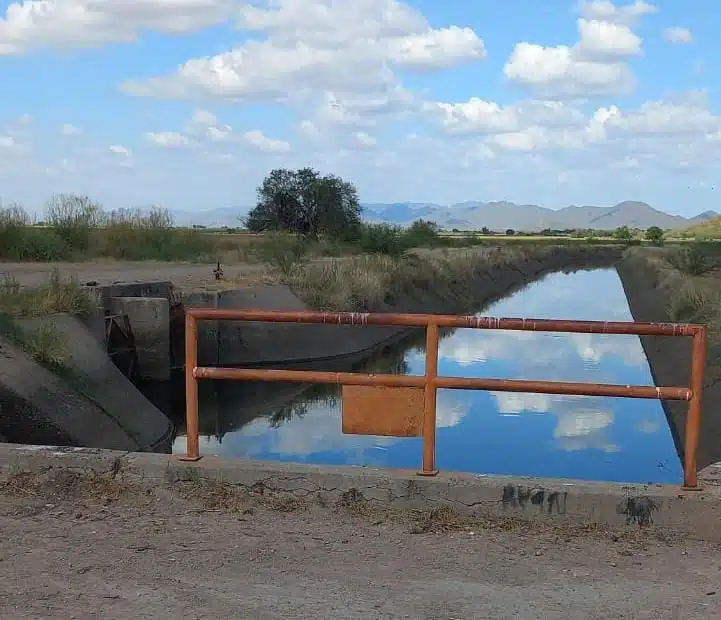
(160, 556)
(188, 276)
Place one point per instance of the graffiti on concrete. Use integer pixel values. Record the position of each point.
(516, 496)
(638, 509)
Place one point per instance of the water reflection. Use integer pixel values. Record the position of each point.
(482, 432)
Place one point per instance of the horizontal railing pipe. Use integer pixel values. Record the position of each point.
(453, 383)
(431, 382)
(443, 320)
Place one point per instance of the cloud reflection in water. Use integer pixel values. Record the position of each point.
(509, 433)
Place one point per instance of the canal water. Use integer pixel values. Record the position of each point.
(591, 438)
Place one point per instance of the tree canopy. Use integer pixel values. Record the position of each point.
(304, 202)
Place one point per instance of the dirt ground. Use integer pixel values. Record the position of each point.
(186, 276)
(128, 553)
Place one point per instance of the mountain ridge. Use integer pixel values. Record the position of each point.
(494, 215)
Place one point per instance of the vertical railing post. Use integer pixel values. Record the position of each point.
(693, 417)
(192, 424)
(429, 404)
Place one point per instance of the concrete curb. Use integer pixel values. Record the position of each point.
(561, 502)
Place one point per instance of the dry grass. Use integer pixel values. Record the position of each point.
(66, 484)
(222, 496)
(44, 343)
(55, 295)
(367, 282)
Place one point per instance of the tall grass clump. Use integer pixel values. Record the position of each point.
(131, 234)
(690, 260)
(43, 341)
(382, 239)
(283, 252)
(20, 241)
(73, 218)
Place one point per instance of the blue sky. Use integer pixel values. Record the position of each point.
(189, 103)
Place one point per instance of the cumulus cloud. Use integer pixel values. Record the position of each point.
(678, 35)
(257, 139)
(33, 24)
(71, 130)
(595, 65)
(168, 139)
(312, 46)
(118, 149)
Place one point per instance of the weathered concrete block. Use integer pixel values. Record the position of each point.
(162, 288)
(150, 320)
(107, 403)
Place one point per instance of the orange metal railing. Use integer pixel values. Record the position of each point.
(421, 420)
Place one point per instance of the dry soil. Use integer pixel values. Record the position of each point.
(160, 555)
(187, 276)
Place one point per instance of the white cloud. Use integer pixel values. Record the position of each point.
(118, 149)
(257, 139)
(168, 139)
(605, 10)
(7, 142)
(596, 65)
(365, 140)
(479, 116)
(599, 39)
(309, 128)
(219, 134)
(678, 35)
(312, 46)
(71, 130)
(33, 24)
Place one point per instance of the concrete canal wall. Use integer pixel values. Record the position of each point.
(86, 402)
(662, 508)
(670, 357)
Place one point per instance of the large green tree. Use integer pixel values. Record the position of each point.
(304, 202)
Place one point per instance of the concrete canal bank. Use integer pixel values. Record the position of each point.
(670, 357)
(560, 502)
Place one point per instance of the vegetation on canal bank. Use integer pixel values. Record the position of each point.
(690, 278)
(43, 342)
(375, 282)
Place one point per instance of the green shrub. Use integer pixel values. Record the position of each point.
(74, 218)
(423, 233)
(690, 260)
(130, 234)
(382, 239)
(283, 251)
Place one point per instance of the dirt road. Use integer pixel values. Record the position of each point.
(161, 556)
(188, 276)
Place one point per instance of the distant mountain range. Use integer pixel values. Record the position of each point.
(496, 216)
(503, 215)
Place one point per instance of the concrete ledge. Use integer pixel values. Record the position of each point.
(694, 514)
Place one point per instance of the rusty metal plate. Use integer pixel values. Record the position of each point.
(384, 411)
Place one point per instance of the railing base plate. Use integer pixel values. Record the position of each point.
(696, 488)
(190, 459)
(428, 474)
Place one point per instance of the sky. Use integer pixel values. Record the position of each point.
(188, 104)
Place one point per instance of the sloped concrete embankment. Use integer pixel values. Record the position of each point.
(87, 403)
(257, 344)
(670, 357)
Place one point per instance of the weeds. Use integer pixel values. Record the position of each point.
(46, 345)
(283, 252)
(76, 227)
(43, 341)
(55, 295)
(690, 260)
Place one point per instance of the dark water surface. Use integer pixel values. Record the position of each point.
(582, 437)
